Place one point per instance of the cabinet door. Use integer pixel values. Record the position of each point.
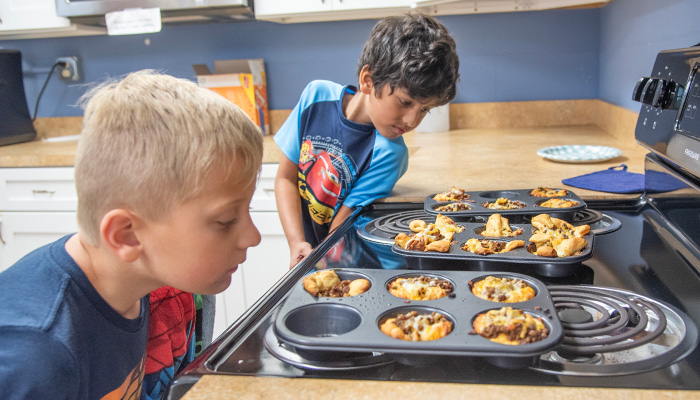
(23, 232)
(230, 304)
(340, 5)
(30, 14)
(38, 189)
(267, 262)
(276, 7)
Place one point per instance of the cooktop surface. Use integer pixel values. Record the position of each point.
(630, 315)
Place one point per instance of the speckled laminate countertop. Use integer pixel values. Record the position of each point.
(222, 387)
(474, 159)
(494, 159)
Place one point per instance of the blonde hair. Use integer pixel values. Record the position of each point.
(150, 141)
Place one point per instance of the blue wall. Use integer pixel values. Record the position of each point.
(632, 34)
(545, 55)
(504, 57)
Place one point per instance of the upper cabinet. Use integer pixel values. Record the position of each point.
(329, 10)
(26, 19)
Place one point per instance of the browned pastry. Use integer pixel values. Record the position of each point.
(453, 194)
(503, 290)
(420, 288)
(548, 192)
(487, 246)
(497, 226)
(417, 225)
(510, 326)
(554, 237)
(446, 224)
(559, 203)
(326, 283)
(503, 203)
(434, 237)
(456, 206)
(417, 328)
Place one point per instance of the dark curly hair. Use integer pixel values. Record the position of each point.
(413, 52)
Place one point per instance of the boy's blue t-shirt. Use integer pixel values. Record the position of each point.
(59, 339)
(340, 162)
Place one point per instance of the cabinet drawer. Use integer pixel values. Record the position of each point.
(38, 189)
(264, 195)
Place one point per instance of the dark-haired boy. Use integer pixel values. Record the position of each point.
(342, 146)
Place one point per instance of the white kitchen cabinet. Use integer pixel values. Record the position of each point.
(37, 206)
(332, 10)
(26, 19)
(460, 7)
(327, 10)
(23, 232)
(265, 263)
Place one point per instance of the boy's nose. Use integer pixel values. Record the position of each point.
(411, 118)
(252, 237)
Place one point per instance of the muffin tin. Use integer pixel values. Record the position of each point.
(519, 255)
(532, 204)
(323, 327)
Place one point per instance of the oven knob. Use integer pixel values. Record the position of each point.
(657, 93)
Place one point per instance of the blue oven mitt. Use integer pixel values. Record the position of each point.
(618, 180)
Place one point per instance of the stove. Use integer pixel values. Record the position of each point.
(630, 313)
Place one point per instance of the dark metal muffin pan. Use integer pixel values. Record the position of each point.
(335, 326)
(519, 255)
(532, 204)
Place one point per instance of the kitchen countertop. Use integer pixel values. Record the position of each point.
(473, 159)
(495, 159)
(220, 387)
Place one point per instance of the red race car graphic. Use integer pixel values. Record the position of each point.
(318, 182)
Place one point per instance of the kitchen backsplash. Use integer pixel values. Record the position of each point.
(617, 121)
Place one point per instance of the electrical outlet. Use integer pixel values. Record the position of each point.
(68, 71)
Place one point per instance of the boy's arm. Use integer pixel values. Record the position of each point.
(34, 365)
(289, 209)
(340, 217)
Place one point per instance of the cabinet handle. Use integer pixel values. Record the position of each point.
(269, 190)
(43, 191)
(1, 239)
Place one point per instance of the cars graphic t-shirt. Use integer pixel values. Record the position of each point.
(340, 162)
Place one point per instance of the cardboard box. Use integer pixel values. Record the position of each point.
(243, 83)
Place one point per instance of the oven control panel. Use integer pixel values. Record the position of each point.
(669, 121)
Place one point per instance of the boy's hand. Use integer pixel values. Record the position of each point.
(299, 251)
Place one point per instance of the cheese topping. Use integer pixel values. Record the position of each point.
(559, 203)
(510, 326)
(420, 288)
(504, 204)
(414, 327)
(503, 290)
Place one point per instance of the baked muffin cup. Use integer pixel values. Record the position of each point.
(529, 282)
(415, 275)
(514, 362)
(344, 275)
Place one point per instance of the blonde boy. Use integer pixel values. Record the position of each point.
(164, 172)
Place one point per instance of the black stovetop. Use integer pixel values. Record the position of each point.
(648, 255)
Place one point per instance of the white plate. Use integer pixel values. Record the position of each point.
(579, 153)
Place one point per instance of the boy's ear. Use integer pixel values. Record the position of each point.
(366, 83)
(118, 234)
